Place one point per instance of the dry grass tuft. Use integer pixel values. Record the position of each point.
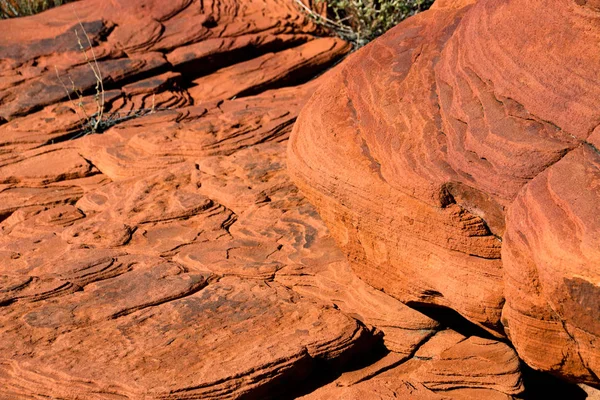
(21, 8)
(360, 21)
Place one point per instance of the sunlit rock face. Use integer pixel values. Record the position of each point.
(456, 162)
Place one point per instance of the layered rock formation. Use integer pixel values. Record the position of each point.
(455, 160)
(170, 256)
(446, 362)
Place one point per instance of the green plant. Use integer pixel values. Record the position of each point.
(21, 8)
(360, 21)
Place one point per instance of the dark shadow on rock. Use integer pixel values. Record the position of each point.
(453, 320)
(317, 372)
(541, 385)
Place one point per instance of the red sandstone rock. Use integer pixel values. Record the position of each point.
(194, 132)
(124, 270)
(270, 69)
(552, 261)
(171, 256)
(403, 232)
(497, 367)
(379, 389)
(443, 368)
(404, 329)
(131, 37)
(176, 348)
(467, 133)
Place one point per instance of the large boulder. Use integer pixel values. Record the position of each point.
(455, 160)
(442, 368)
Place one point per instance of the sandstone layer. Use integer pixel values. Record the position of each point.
(441, 369)
(455, 161)
(169, 255)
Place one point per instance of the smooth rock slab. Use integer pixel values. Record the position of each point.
(140, 354)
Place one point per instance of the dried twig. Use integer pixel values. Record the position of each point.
(76, 108)
(99, 96)
(89, 123)
(341, 30)
(97, 122)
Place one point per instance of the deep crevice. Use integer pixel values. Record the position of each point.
(293, 78)
(203, 66)
(592, 147)
(110, 84)
(449, 318)
(542, 386)
(320, 372)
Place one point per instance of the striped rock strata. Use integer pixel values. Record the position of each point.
(170, 256)
(456, 162)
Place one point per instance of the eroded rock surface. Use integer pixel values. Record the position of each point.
(170, 256)
(442, 368)
(455, 160)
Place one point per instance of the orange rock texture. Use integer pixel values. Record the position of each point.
(456, 161)
(170, 255)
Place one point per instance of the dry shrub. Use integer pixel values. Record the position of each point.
(360, 21)
(21, 8)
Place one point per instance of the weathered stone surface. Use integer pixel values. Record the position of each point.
(178, 348)
(404, 329)
(497, 367)
(170, 256)
(376, 389)
(455, 161)
(592, 394)
(96, 274)
(40, 168)
(551, 257)
(141, 262)
(442, 368)
(130, 38)
(270, 69)
(403, 233)
(195, 132)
